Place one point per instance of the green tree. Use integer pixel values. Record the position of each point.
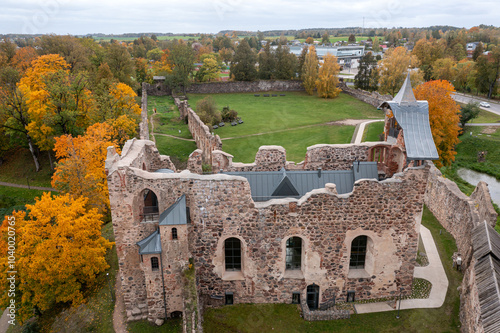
(328, 80)
(243, 65)
(154, 54)
(375, 46)
(267, 63)
(393, 69)
(182, 59)
(206, 109)
(310, 70)
(121, 64)
(286, 63)
(300, 61)
(209, 71)
(362, 79)
(478, 51)
(468, 112)
(325, 39)
(352, 39)
(488, 71)
(442, 69)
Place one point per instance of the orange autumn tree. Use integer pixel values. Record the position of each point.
(60, 252)
(444, 117)
(80, 167)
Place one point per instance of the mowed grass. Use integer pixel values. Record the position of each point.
(296, 109)
(373, 131)
(167, 118)
(13, 198)
(143, 326)
(486, 117)
(178, 150)
(286, 317)
(294, 141)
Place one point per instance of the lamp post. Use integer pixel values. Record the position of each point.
(399, 306)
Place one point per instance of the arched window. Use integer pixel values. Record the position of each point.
(232, 251)
(154, 264)
(150, 208)
(358, 252)
(174, 233)
(294, 253)
(312, 296)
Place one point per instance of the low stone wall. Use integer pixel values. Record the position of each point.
(470, 310)
(143, 125)
(205, 140)
(373, 98)
(316, 315)
(245, 86)
(158, 88)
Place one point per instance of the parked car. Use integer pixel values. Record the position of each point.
(484, 104)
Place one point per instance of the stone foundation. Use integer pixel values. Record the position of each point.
(373, 98)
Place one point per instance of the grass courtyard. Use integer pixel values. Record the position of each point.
(294, 121)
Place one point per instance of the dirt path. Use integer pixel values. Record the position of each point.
(349, 122)
(30, 187)
(4, 322)
(119, 324)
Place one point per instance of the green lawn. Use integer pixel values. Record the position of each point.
(267, 114)
(170, 326)
(12, 198)
(285, 318)
(486, 117)
(373, 131)
(18, 164)
(294, 141)
(178, 150)
(167, 118)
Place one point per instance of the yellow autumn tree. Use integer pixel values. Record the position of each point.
(60, 252)
(310, 70)
(393, 69)
(444, 117)
(328, 80)
(80, 167)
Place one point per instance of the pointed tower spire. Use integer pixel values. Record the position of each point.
(405, 95)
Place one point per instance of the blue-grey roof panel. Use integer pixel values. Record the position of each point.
(414, 120)
(175, 214)
(263, 184)
(150, 244)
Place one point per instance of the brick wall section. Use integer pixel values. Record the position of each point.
(245, 86)
(144, 124)
(373, 98)
(205, 140)
(387, 212)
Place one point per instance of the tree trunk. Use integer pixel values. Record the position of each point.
(50, 161)
(35, 159)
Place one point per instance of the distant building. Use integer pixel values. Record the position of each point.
(347, 56)
(470, 47)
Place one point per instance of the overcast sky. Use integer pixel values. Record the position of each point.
(120, 16)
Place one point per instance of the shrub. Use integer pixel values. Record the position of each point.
(228, 115)
(207, 111)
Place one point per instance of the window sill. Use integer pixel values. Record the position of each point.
(233, 276)
(358, 273)
(293, 274)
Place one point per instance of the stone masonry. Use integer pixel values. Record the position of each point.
(387, 212)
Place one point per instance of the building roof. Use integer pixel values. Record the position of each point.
(278, 184)
(150, 244)
(413, 117)
(175, 214)
(486, 243)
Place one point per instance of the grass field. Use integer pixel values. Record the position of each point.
(486, 117)
(373, 131)
(286, 318)
(18, 164)
(170, 326)
(12, 198)
(178, 150)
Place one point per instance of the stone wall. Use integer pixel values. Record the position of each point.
(158, 88)
(318, 315)
(387, 212)
(144, 124)
(245, 86)
(372, 98)
(273, 158)
(457, 212)
(205, 140)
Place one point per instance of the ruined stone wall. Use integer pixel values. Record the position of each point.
(245, 86)
(387, 212)
(457, 212)
(470, 310)
(317, 315)
(273, 158)
(158, 88)
(373, 98)
(144, 124)
(205, 140)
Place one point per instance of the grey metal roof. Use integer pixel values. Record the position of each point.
(164, 171)
(485, 240)
(405, 95)
(175, 214)
(150, 244)
(264, 184)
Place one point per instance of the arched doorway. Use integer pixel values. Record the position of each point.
(313, 296)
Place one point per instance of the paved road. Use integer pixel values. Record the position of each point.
(478, 124)
(495, 106)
